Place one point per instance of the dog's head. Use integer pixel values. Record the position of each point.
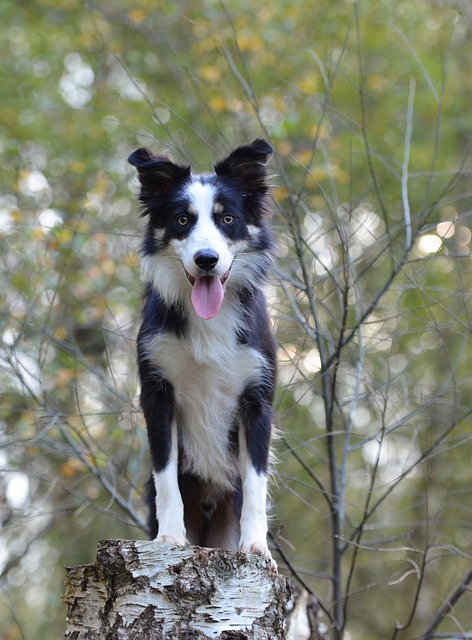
(204, 224)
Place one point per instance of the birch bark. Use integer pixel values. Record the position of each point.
(143, 590)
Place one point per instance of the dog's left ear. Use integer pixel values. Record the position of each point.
(248, 165)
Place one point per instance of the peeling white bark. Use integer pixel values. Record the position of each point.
(143, 590)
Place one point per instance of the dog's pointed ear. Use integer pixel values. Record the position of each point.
(248, 165)
(156, 172)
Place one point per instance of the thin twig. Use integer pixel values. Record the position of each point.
(461, 588)
(406, 161)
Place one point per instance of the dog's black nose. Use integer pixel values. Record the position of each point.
(206, 259)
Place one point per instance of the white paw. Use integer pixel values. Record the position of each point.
(259, 549)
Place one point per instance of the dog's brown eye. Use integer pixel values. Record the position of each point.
(183, 220)
(228, 218)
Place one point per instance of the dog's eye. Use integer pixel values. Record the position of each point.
(183, 220)
(228, 218)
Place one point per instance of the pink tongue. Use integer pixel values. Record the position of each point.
(207, 296)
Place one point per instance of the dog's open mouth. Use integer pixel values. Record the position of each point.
(207, 293)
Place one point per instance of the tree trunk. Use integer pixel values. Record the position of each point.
(142, 590)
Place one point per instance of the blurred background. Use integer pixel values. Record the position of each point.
(367, 106)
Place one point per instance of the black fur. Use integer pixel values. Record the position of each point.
(212, 509)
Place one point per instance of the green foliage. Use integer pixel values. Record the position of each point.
(367, 107)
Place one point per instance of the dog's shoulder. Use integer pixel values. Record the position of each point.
(159, 316)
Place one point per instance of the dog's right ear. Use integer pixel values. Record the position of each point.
(156, 173)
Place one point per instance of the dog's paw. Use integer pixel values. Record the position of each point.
(259, 549)
(255, 548)
(177, 541)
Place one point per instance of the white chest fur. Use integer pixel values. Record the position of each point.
(208, 370)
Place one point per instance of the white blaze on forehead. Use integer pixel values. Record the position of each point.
(202, 202)
(202, 198)
(205, 234)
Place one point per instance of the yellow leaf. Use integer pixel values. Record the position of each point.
(250, 43)
(209, 73)
(60, 333)
(136, 15)
(284, 148)
(15, 215)
(375, 81)
(108, 267)
(218, 103)
(309, 83)
(304, 156)
(78, 166)
(71, 467)
(64, 236)
(38, 234)
(315, 175)
(132, 260)
(280, 192)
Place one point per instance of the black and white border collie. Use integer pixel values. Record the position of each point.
(206, 353)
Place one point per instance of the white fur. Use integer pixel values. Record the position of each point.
(208, 371)
(253, 516)
(169, 505)
(164, 271)
(205, 234)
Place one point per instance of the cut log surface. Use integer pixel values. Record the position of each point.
(140, 589)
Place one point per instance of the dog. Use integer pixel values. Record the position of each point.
(206, 353)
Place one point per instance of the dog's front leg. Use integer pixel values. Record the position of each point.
(254, 444)
(169, 505)
(253, 513)
(158, 407)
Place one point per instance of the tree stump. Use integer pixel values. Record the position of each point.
(143, 590)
